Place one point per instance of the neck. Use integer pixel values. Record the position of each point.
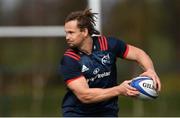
(86, 45)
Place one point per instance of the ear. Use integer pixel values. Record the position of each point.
(85, 32)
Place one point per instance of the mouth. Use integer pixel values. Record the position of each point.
(70, 44)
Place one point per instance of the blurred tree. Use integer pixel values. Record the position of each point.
(30, 13)
(132, 17)
(137, 22)
(173, 11)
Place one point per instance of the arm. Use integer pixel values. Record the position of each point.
(77, 83)
(91, 95)
(145, 62)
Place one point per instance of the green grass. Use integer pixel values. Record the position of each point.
(21, 103)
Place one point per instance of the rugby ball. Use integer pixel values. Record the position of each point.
(145, 86)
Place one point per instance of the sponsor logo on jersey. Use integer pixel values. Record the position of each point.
(98, 76)
(105, 59)
(84, 68)
(96, 71)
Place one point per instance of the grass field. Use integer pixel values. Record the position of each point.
(23, 104)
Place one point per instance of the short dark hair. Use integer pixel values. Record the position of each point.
(85, 20)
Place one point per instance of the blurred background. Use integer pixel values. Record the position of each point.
(29, 81)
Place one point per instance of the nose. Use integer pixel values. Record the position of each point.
(67, 37)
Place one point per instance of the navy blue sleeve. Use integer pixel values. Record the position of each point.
(69, 68)
(119, 47)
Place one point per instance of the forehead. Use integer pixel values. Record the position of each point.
(71, 24)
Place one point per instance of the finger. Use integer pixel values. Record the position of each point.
(159, 85)
(127, 85)
(154, 81)
(154, 78)
(133, 93)
(128, 81)
(130, 87)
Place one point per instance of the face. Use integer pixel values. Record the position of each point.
(74, 36)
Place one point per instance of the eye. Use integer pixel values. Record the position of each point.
(70, 32)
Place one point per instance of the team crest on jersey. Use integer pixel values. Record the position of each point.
(84, 68)
(105, 59)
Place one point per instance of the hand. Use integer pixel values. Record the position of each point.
(127, 90)
(152, 74)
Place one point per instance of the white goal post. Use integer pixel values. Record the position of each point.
(47, 31)
(32, 31)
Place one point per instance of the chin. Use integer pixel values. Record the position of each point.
(72, 46)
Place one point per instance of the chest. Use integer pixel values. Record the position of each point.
(97, 65)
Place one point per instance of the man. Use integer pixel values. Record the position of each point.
(89, 69)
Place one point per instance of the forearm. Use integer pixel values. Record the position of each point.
(92, 95)
(144, 61)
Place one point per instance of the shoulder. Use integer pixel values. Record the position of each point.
(72, 54)
(69, 66)
(70, 58)
(108, 42)
(103, 41)
(114, 43)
